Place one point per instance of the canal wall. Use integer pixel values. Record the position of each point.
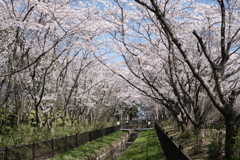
(109, 151)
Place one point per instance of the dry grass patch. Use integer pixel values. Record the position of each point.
(188, 140)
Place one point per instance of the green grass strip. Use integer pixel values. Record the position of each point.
(91, 148)
(145, 147)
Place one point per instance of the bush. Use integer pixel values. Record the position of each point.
(6, 121)
(236, 147)
(25, 134)
(186, 134)
(216, 148)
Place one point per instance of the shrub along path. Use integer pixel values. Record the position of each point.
(145, 147)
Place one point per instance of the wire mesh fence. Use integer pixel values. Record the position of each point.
(171, 150)
(47, 149)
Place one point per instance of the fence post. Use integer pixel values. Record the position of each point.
(168, 152)
(33, 151)
(76, 139)
(180, 151)
(66, 142)
(6, 153)
(52, 143)
(171, 147)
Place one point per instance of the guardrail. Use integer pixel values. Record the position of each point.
(171, 150)
(137, 124)
(48, 149)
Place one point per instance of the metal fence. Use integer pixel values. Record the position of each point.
(50, 148)
(171, 150)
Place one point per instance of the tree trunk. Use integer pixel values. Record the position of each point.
(40, 121)
(232, 127)
(53, 124)
(180, 123)
(28, 117)
(199, 132)
(65, 120)
(37, 117)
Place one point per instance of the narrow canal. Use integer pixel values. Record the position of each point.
(118, 154)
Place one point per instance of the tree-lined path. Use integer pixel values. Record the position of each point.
(68, 64)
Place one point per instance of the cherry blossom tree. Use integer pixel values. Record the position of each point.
(218, 57)
(47, 63)
(182, 55)
(203, 37)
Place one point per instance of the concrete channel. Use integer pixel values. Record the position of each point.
(116, 150)
(132, 137)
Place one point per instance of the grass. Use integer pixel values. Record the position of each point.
(145, 147)
(91, 148)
